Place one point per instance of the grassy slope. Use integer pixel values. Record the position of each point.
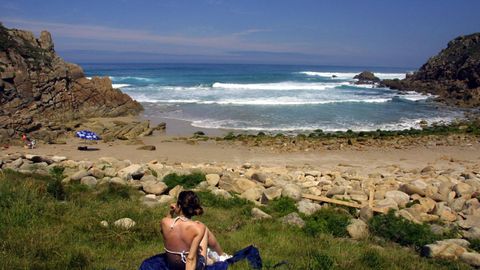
(38, 231)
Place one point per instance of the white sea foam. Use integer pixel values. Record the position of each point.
(277, 86)
(124, 78)
(120, 85)
(350, 75)
(403, 123)
(337, 75)
(415, 96)
(281, 101)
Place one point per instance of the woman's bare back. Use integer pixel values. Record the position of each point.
(178, 234)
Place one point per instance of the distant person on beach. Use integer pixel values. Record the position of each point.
(29, 144)
(186, 241)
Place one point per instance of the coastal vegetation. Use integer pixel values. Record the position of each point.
(50, 225)
(462, 127)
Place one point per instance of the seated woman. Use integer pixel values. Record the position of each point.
(186, 241)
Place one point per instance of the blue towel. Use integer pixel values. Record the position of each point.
(251, 253)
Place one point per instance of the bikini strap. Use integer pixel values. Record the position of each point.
(183, 254)
(176, 219)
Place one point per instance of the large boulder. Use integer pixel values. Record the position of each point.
(154, 187)
(446, 249)
(259, 214)
(292, 191)
(243, 184)
(89, 181)
(212, 179)
(401, 198)
(134, 171)
(307, 207)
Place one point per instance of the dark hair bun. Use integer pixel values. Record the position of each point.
(199, 211)
(189, 203)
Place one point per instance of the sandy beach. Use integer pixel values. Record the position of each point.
(170, 150)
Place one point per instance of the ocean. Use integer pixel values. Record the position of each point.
(272, 98)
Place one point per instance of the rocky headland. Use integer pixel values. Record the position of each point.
(453, 75)
(40, 93)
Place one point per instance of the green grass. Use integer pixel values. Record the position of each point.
(280, 207)
(187, 181)
(402, 231)
(328, 220)
(38, 230)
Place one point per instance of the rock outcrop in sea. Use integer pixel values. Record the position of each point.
(39, 90)
(453, 75)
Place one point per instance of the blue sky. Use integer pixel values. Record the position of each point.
(343, 32)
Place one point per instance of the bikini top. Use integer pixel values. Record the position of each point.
(183, 254)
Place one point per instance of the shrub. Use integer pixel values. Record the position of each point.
(475, 244)
(187, 181)
(114, 192)
(210, 200)
(372, 259)
(318, 260)
(229, 136)
(79, 260)
(328, 220)
(55, 188)
(281, 206)
(401, 230)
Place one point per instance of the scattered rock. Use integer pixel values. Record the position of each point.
(79, 175)
(272, 193)
(401, 198)
(336, 190)
(134, 171)
(259, 177)
(147, 147)
(293, 219)
(292, 191)
(443, 250)
(366, 213)
(388, 203)
(243, 184)
(175, 191)
(253, 194)
(212, 179)
(104, 223)
(90, 181)
(165, 199)
(463, 189)
(471, 258)
(259, 214)
(118, 181)
(357, 229)
(125, 223)
(307, 208)
(154, 187)
(221, 193)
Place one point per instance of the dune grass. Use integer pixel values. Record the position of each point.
(44, 225)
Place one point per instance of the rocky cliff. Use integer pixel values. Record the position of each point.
(38, 89)
(453, 74)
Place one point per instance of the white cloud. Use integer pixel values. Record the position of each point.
(232, 41)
